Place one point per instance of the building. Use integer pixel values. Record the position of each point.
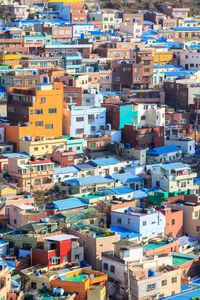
(177, 122)
(144, 137)
(64, 158)
(130, 180)
(38, 113)
(149, 223)
(76, 282)
(190, 60)
(41, 147)
(30, 176)
(10, 59)
(65, 205)
(164, 154)
(185, 143)
(57, 249)
(83, 121)
(173, 222)
(61, 174)
(86, 185)
(174, 177)
(176, 12)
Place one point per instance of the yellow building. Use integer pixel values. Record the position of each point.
(163, 57)
(34, 112)
(40, 146)
(10, 59)
(6, 190)
(186, 32)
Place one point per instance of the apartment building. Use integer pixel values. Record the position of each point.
(79, 121)
(33, 112)
(29, 176)
(174, 177)
(148, 223)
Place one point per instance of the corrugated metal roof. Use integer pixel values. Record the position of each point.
(163, 150)
(104, 161)
(118, 190)
(178, 165)
(65, 204)
(89, 180)
(126, 177)
(65, 170)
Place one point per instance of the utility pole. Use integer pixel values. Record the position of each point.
(129, 286)
(196, 120)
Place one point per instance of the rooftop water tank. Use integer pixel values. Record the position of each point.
(151, 273)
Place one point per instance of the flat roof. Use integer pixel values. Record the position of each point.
(61, 237)
(185, 295)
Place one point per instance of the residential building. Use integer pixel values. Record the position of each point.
(10, 59)
(128, 179)
(173, 221)
(65, 205)
(187, 144)
(37, 111)
(83, 121)
(149, 223)
(163, 154)
(40, 146)
(143, 137)
(29, 176)
(57, 249)
(174, 177)
(177, 122)
(95, 281)
(61, 174)
(176, 12)
(190, 60)
(86, 185)
(64, 158)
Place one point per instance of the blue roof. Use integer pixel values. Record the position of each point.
(104, 161)
(85, 167)
(178, 165)
(17, 154)
(126, 177)
(190, 21)
(69, 169)
(65, 204)
(118, 190)
(197, 181)
(184, 240)
(96, 32)
(163, 150)
(80, 181)
(181, 72)
(140, 194)
(185, 28)
(185, 295)
(124, 233)
(147, 22)
(166, 66)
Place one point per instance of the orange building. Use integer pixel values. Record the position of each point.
(34, 112)
(80, 281)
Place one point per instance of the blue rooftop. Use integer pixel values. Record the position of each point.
(118, 190)
(166, 66)
(163, 150)
(104, 161)
(65, 170)
(85, 167)
(124, 233)
(184, 240)
(140, 194)
(80, 181)
(185, 295)
(17, 154)
(185, 28)
(181, 73)
(172, 166)
(147, 22)
(126, 177)
(66, 204)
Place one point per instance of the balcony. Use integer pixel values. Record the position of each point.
(186, 176)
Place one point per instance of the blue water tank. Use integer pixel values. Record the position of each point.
(151, 273)
(37, 274)
(82, 36)
(82, 263)
(27, 138)
(123, 39)
(126, 211)
(127, 146)
(46, 79)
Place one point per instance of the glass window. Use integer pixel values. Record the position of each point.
(38, 123)
(38, 111)
(52, 110)
(49, 126)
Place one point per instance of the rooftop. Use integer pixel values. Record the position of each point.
(66, 204)
(105, 161)
(126, 177)
(81, 181)
(185, 295)
(178, 165)
(61, 237)
(163, 150)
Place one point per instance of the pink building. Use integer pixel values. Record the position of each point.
(176, 12)
(64, 158)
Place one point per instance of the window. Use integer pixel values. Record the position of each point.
(49, 126)
(151, 287)
(102, 127)
(52, 110)
(117, 78)
(43, 99)
(144, 223)
(112, 269)
(78, 148)
(105, 266)
(174, 279)
(173, 221)
(146, 70)
(38, 111)
(70, 157)
(137, 78)
(143, 118)
(93, 128)
(79, 119)
(196, 214)
(173, 293)
(38, 123)
(198, 228)
(119, 220)
(93, 145)
(91, 221)
(164, 282)
(35, 148)
(79, 130)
